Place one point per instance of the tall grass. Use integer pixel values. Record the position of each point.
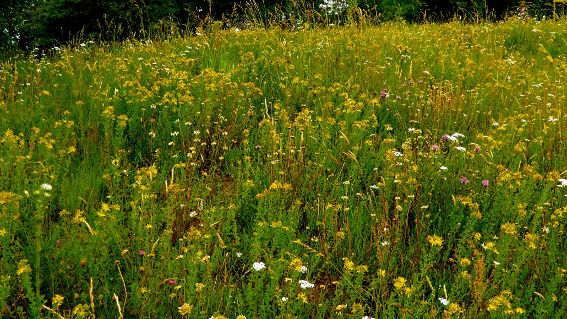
(388, 171)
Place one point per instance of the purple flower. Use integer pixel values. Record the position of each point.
(464, 180)
(171, 282)
(485, 183)
(477, 149)
(445, 137)
(141, 252)
(258, 147)
(434, 147)
(384, 94)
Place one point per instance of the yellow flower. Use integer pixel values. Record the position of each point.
(241, 317)
(509, 228)
(348, 265)
(435, 240)
(23, 267)
(399, 282)
(340, 307)
(453, 308)
(57, 300)
(465, 262)
(185, 309)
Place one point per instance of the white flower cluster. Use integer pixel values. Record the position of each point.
(304, 284)
(259, 266)
(334, 6)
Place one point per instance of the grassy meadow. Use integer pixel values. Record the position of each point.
(391, 171)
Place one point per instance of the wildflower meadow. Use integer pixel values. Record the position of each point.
(359, 171)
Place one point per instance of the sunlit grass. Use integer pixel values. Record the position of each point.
(388, 171)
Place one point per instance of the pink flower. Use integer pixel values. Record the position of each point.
(477, 149)
(141, 252)
(434, 147)
(445, 137)
(485, 183)
(171, 282)
(464, 180)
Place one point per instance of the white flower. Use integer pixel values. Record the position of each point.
(495, 124)
(552, 119)
(545, 229)
(562, 182)
(259, 266)
(46, 187)
(457, 135)
(374, 186)
(284, 299)
(302, 269)
(385, 243)
(460, 148)
(399, 154)
(496, 263)
(304, 284)
(443, 168)
(444, 301)
(238, 255)
(367, 317)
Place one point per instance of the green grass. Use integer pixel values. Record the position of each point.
(177, 165)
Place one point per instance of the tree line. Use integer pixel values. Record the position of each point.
(29, 25)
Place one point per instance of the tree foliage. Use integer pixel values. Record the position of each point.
(29, 24)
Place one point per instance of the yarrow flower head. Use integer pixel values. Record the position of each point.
(304, 284)
(452, 137)
(258, 266)
(444, 301)
(562, 182)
